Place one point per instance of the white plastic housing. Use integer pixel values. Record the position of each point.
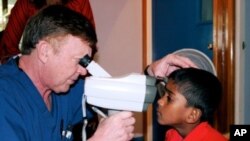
(96, 70)
(133, 92)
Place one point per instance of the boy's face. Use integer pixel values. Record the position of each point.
(172, 107)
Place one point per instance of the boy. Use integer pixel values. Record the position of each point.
(190, 99)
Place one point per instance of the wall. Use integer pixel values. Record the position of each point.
(119, 31)
(242, 91)
(239, 65)
(247, 66)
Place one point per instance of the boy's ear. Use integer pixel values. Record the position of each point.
(193, 115)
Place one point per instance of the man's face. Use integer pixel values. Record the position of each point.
(172, 107)
(62, 67)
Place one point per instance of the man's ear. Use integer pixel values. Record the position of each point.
(43, 49)
(193, 115)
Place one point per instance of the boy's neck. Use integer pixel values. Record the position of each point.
(185, 129)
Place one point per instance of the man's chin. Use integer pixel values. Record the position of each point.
(63, 89)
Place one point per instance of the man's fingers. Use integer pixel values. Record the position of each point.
(180, 61)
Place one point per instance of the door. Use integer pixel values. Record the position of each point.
(181, 24)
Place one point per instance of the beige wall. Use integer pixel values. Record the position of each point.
(119, 31)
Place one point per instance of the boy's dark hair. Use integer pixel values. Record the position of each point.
(57, 20)
(201, 89)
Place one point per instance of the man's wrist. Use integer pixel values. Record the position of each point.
(148, 70)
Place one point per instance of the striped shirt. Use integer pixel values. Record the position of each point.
(18, 18)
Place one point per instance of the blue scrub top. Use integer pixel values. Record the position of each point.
(23, 113)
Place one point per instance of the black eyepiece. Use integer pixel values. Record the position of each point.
(84, 61)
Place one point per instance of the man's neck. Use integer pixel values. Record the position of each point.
(26, 64)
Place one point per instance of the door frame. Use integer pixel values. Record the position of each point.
(224, 59)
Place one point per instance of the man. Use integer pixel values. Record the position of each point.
(41, 89)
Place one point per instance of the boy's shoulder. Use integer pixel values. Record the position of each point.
(202, 132)
(205, 132)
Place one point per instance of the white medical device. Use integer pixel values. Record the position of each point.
(93, 68)
(133, 92)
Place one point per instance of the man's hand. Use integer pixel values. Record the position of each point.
(164, 66)
(117, 127)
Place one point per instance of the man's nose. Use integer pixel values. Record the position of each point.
(81, 70)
